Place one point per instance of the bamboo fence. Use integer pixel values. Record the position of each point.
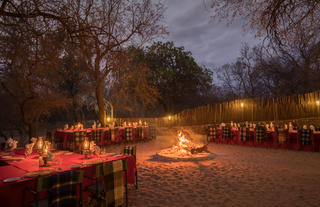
(301, 106)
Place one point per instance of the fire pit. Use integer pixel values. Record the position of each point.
(186, 150)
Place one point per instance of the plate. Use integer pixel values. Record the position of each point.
(92, 162)
(11, 158)
(117, 155)
(38, 173)
(8, 180)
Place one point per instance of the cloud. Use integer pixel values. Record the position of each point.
(211, 42)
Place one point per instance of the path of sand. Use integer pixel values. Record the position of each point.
(237, 176)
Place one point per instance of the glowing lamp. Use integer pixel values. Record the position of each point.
(241, 105)
(86, 147)
(317, 102)
(40, 145)
(108, 119)
(169, 117)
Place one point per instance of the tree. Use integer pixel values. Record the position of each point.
(243, 78)
(133, 90)
(180, 80)
(113, 26)
(28, 71)
(279, 19)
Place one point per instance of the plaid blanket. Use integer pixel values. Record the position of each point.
(96, 136)
(260, 133)
(212, 133)
(128, 133)
(129, 150)
(226, 132)
(305, 136)
(282, 136)
(244, 133)
(113, 183)
(78, 137)
(62, 188)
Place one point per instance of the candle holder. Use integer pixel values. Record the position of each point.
(86, 147)
(40, 146)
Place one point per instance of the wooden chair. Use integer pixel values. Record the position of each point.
(110, 174)
(132, 150)
(61, 187)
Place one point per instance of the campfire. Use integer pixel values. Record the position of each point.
(185, 148)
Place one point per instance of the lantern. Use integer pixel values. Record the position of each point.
(40, 145)
(86, 147)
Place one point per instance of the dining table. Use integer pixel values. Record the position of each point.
(18, 173)
(64, 138)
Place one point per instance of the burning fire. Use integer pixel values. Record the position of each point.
(183, 146)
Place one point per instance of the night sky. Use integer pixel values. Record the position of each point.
(211, 42)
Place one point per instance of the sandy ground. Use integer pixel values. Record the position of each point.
(236, 176)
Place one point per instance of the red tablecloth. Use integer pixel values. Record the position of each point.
(11, 194)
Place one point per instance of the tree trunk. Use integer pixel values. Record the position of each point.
(100, 102)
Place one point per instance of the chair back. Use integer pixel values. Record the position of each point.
(305, 136)
(226, 132)
(113, 182)
(212, 133)
(62, 188)
(96, 136)
(260, 133)
(129, 150)
(128, 133)
(244, 133)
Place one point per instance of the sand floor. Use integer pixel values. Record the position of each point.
(236, 176)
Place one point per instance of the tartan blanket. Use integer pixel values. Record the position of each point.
(129, 150)
(128, 133)
(96, 136)
(260, 133)
(226, 132)
(212, 133)
(78, 137)
(305, 136)
(113, 183)
(244, 133)
(62, 188)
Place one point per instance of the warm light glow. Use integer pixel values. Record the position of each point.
(40, 143)
(169, 117)
(108, 119)
(86, 144)
(317, 102)
(241, 105)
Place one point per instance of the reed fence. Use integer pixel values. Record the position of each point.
(297, 107)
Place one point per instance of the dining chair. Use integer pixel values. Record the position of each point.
(306, 140)
(244, 135)
(110, 175)
(226, 134)
(62, 189)
(260, 137)
(132, 150)
(211, 134)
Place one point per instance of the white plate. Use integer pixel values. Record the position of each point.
(117, 155)
(11, 179)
